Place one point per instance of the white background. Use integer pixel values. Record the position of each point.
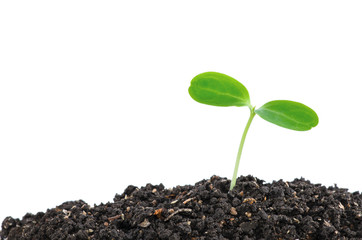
(93, 95)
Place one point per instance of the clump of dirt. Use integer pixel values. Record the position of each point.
(207, 210)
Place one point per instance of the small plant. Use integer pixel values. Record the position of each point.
(218, 89)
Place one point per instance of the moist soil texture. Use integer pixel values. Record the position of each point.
(207, 210)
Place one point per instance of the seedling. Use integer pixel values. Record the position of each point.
(218, 89)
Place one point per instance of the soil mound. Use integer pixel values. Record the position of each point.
(207, 210)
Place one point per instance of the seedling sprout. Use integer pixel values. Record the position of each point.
(217, 89)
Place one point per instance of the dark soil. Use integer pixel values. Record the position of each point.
(208, 210)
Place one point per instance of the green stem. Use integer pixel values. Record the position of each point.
(252, 114)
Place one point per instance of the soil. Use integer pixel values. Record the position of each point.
(207, 210)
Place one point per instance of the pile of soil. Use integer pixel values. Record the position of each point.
(207, 210)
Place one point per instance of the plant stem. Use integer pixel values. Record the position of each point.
(252, 114)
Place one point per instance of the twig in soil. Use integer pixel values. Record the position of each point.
(178, 211)
(116, 217)
(187, 200)
(173, 202)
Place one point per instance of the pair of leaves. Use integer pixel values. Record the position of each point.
(218, 89)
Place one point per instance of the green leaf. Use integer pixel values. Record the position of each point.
(218, 89)
(289, 114)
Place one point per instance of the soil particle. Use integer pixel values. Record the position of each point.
(207, 210)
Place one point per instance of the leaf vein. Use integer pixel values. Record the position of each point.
(286, 116)
(221, 93)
